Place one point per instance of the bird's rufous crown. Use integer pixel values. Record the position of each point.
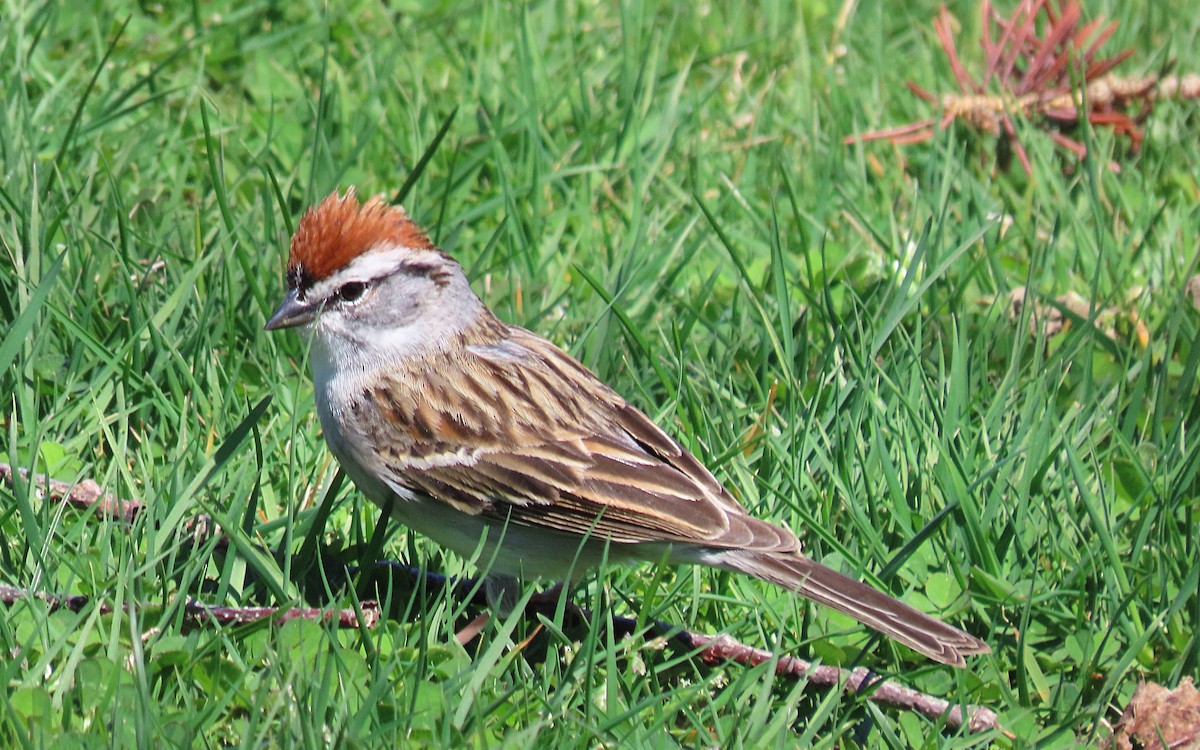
(339, 229)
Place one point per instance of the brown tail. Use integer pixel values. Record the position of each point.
(895, 619)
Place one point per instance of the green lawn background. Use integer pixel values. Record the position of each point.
(662, 190)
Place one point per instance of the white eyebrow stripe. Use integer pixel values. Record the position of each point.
(376, 263)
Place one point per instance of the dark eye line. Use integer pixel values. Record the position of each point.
(417, 268)
(352, 291)
(435, 272)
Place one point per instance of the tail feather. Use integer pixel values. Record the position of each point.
(895, 619)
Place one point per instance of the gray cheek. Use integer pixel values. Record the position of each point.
(397, 303)
(401, 312)
(364, 322)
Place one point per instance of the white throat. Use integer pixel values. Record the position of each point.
(345, 359)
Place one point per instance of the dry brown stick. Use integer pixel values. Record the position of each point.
(345, 618)
(86, 494)
(722, 648)
(83, 495)
(711, 649)
(197, 613)
(984, 111)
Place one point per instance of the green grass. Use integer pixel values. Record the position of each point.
(665, 193)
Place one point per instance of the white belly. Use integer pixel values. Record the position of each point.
(509, 550)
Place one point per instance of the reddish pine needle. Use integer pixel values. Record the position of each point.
(1035, 63)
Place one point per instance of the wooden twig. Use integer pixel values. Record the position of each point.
(198, 614)
(82, 495)
(710, 649)
(721, 648)
(87, 495)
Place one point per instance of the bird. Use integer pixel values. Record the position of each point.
(491, 440)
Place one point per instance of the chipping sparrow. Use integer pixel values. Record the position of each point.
(484, 436)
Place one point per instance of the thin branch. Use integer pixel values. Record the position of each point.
(721, 648)
(198, 614)
(82, 495)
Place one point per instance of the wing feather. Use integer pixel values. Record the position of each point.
(531, 437)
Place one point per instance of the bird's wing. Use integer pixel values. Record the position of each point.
(529, 436)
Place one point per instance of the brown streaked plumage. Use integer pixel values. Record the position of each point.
(475, 430)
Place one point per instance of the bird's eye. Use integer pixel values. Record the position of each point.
(351, 291)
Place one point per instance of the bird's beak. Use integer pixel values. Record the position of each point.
(292, 312)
